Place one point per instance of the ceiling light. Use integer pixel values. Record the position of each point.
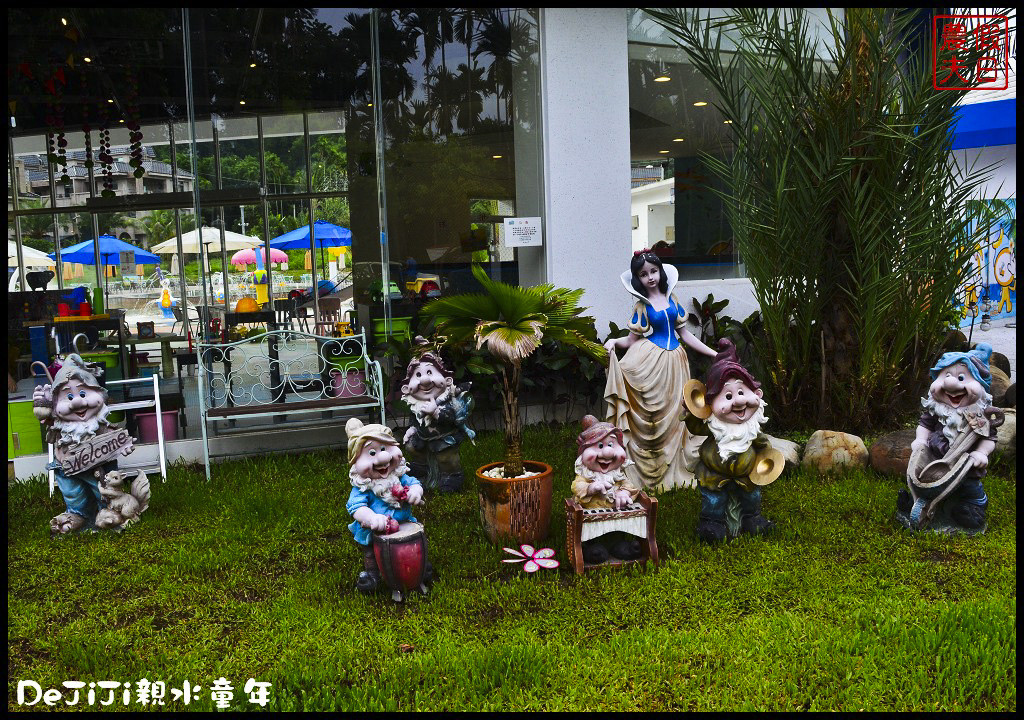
(87, 59)
(110, 100)
(369, 104)
(663, 152)
(699, 103)
(662, 78)
(241, 102)
(496, 157)
(252, 64)
(677, 139)
(727, 122)
(121, 120)
(64, 22)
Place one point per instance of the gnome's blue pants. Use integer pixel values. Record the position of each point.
(713, 503)
(82, 492)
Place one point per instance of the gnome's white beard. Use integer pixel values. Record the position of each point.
(423, 416)
(615, 476)
(382, 487)
(954, 419)
(736, 438)
(75, 431)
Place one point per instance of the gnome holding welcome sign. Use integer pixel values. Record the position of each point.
(86, 446)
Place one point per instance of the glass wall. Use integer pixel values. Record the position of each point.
(261, 121)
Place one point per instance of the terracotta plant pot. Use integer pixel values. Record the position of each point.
(517, 509)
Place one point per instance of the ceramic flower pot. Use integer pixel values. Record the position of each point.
(517, 509)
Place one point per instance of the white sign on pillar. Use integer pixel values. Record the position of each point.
(523, 232)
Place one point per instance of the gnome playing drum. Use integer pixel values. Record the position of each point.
(736, 459)
(381, 499)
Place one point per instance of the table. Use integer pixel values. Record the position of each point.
(69, 328)
(166, 358)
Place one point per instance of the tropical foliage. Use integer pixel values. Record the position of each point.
(511, 323)
(847, 206)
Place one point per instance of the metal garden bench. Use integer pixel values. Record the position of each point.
(282, 373)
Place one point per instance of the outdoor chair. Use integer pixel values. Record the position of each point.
(184, 323)
(330, 313)
(285, 313)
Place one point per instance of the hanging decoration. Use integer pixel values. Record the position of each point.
(134, 126)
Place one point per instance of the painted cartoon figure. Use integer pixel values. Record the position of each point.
(955, 436)
(382, 495)
(1006, 275)
(644, 393)
(440, 410)
(74, 411)
(601, 483)
(736, 459)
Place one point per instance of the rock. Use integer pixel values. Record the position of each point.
(1000, 361)
(891, 453)
(1006, 438)
(789, 449)
(1000, 383)
(1010, 400)
(955, 341)
(828, 448)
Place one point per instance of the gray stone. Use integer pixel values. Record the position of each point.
(827, 449)
(891, 453)
(1000, 383)
(789, 449)
(1006, 437)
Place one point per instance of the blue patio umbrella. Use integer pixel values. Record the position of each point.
(111, 248)
(325, 234)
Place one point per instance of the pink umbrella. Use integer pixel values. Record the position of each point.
(248, 256)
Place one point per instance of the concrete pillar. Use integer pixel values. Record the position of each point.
(585, 121)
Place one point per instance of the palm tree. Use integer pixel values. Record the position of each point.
(511, 322)
(157, 226)
(852, 219)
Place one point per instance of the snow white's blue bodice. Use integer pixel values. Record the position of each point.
(663, 324)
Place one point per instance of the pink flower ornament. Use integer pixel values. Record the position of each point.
(535, 559)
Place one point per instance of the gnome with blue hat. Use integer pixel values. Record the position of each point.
(949, 456)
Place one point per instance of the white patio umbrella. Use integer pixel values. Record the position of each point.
(31, 256)
(210, 238)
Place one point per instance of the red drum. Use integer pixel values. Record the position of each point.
(402, 559)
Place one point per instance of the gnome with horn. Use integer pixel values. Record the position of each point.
(949, 456)
(736, 459)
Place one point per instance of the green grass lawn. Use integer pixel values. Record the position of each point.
(252, 575)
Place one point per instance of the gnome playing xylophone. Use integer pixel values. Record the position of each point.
(391, 541)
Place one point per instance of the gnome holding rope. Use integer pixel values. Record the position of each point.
(736, 459)
(383, 492)
(601, 483)
(956, 434)
(440, 410)
(86, 447)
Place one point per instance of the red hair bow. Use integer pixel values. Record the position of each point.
(645, 251)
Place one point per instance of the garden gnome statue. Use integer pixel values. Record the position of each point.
(955, 435)
(601, 483)
(440, 409)
(736, 459)
(86, 447)
(382, 496)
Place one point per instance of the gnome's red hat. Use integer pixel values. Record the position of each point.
(595, 431)
(725, 366)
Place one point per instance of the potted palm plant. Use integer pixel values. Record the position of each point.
(511, 322)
